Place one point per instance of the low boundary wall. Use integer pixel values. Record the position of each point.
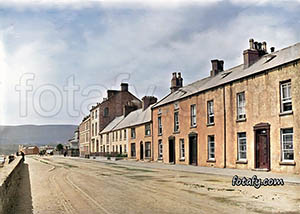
(9, 182)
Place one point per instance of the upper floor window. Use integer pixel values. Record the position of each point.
(86, 126)
(125, 136)
(160, 149)
(210, 112)
(106, 112)
(193, 115)
(96, 114)
(286, 96)
(132, 133)
(287, 148)
(96, 129)
(241, 113)
(107, 138)
(120, 134)
(92, 129)
(176, 121)
(242, 146)
(147, 129)
(159, 125)
(211, 147)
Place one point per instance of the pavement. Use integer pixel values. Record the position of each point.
(288, 178)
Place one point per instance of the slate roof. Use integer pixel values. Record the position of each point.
(134, 118)
(266, 62)
(112, 124)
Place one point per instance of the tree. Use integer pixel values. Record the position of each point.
(60, 147)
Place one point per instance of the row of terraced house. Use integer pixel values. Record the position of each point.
(245, 117)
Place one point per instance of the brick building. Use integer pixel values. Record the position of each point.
(103, 113)
(246, 117)
(122, 134)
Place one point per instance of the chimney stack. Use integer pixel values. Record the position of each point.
(217, 66)
(255, 51)
(124, 86)
(148, 100)
(176, 82)
(272, 49)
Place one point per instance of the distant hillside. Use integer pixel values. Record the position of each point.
(37, 135)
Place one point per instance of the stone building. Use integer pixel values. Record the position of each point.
(84, 137)
(130, 133)
(246, 117)
(29, 150)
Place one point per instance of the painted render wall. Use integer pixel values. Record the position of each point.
(262, 105)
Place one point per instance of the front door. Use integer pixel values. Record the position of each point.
(141, 151)
(193, 150)
(262, 149)
(171, 150)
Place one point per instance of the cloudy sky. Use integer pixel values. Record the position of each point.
(57, 58)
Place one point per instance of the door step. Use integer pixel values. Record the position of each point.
(261, 170)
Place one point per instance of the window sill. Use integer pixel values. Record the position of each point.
(285, 113)
(211, 161)
(210, 124)
(241, 162)
(148, 135)
(159, 135)
(192, 127)
(176, 132)
(287, 163)
(241, 120)
(182, 159)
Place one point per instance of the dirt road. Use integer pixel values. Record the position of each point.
(63, 185)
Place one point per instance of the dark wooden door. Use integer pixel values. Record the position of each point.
(141, 151)
(193, 150)
(262, 150)
(171, 151)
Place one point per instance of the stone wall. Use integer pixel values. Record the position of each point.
(9, 182)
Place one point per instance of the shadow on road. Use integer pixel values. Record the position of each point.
(24, 199)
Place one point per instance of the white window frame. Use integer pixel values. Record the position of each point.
(193, 115)
(176, 122)
(210, 143)
(241, 106)
(160, 150)
(242, 140)
(147, 129)
(182, 149)
(159, 125)
(285, 100)
(210, 112)
(133, 133)
(283, 149)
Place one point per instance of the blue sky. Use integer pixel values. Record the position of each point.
(97, 45)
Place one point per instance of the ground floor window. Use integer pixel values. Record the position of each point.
(147, 149)
(287, 149)
(211, 147)
(125, 149)
(181, 147)
(107, 149)
(242, 146)
(120, 149)
(160, 149)
(133, 151)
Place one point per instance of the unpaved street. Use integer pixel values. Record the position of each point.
(64, 185)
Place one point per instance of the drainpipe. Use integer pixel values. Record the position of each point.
(152, 144)
(224, 107)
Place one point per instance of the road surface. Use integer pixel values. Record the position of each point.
(62, 185)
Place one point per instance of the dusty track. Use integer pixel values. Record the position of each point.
(76, 186)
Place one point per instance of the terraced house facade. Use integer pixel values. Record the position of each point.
(84, 137)
(246, 117)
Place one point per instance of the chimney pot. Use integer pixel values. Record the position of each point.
(176, 82)
(251, 43)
